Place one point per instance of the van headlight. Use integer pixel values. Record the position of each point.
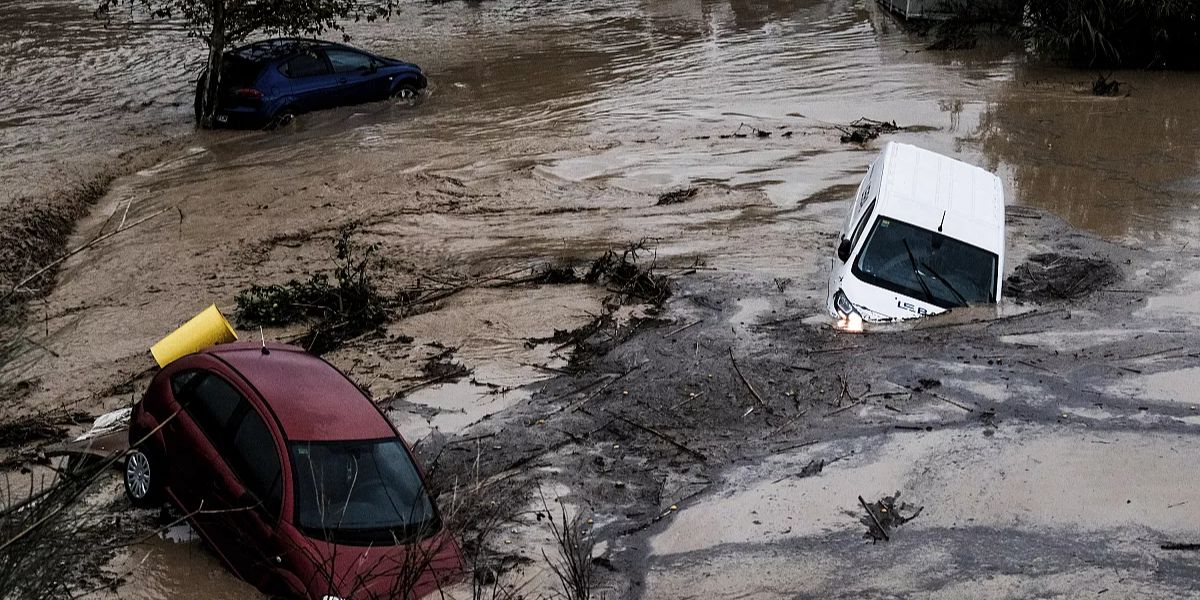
(849, 318)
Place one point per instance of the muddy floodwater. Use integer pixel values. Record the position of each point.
(548, 133)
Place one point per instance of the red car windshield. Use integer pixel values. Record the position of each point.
(361, 492)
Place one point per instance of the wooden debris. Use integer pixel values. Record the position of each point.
(695, 453)
(743, 377)
(884, 515)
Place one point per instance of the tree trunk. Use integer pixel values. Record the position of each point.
(212, 72)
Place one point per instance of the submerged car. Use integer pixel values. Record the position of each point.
(925, 234)
(268, 83)
(291, 473)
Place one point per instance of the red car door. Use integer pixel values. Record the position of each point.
(251, 480)
(195, 440)
(225, 469)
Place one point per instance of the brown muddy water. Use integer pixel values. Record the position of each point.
(549, 130)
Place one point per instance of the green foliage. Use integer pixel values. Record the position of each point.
(228, 23)
(1114, 33)
(1089, 33)
(347, 307)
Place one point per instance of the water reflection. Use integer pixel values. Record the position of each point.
(1117, 166)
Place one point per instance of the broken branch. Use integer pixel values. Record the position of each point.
(874, 518)
(697, 454)
(744, 380)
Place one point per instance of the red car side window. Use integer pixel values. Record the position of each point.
(210, 401)
(255, 458)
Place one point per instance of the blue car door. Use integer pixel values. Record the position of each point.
(310, 80)
(359, 76)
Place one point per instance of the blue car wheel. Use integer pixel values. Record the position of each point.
(282, 118)
(406, 94)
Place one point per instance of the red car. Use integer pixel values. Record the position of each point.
(291, 474)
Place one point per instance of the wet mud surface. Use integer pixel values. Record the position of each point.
(1050, 442)
(999, 437)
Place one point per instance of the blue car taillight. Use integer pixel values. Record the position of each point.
(248, 94)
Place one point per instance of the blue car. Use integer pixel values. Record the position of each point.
(268, 83)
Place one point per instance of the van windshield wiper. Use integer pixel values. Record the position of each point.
(912, 260)
(946, 282)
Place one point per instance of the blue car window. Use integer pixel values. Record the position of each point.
(305, 65)
(345, 61)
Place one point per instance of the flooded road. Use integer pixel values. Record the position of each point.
(549, 132)
(630, 94)
(77, 94)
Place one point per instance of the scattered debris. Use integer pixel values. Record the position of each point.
(677, 196)
(684, 328)
(108, 436)
(814, 467)
(42, 426)
(749, 386)
(1103, 86)
(628, 278)
(925, 384)
(555, 273)
(884, 515)
(441, 367)
(864, 130)
(741, 128)
(700, 456)
(1051, 276)
(988, 419)
(567, 337)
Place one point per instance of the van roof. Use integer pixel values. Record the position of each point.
(929, 190)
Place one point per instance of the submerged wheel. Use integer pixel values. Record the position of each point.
(407, 95)
(283, 118)
(142, 484)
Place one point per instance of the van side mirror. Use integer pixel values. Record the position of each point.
(843, 251)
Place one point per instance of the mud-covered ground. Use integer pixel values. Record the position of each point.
(718, 443)
(1061, 430)
(1045, 446)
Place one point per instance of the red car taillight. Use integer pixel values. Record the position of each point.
(248, 93)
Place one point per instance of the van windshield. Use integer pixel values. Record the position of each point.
(360, 492)
(926, 265)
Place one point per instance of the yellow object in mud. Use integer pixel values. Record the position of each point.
(208, 328)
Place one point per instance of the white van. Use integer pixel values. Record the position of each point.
(925, 233)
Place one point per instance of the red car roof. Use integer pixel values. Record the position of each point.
(312, 400)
